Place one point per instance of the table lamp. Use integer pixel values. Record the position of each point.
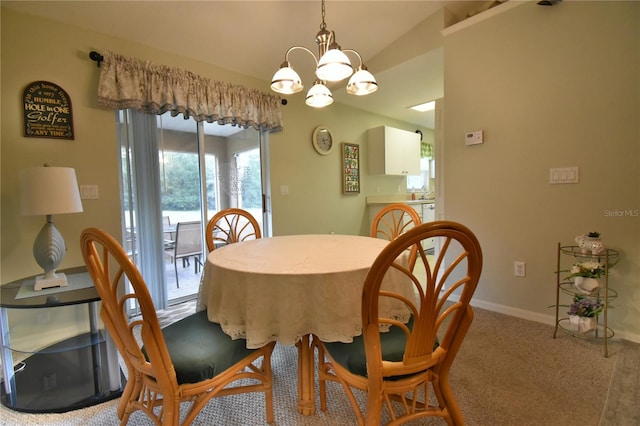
(48, 191)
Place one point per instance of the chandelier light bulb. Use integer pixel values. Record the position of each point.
(319, 96)
(334, 66)
(286, 81)
(362, 83)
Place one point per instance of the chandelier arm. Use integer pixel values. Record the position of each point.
(286, 56)
(357, 54)
(332, 64)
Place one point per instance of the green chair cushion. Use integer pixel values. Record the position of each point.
(199, 349)
(352, 355)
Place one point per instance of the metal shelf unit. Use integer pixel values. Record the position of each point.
(603, 294)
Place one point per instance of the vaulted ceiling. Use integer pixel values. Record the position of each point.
(251, 37)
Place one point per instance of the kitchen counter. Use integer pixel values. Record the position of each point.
(390, 199)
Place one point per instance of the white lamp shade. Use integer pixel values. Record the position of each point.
(49, 191)
(286, 81)
(319, 96)
(362, 83)
(334, 66)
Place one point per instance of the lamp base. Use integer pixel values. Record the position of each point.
(58, 280)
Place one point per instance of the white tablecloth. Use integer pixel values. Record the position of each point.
(282, 288)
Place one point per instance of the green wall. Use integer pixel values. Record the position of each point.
(551, 87)
(38, 49)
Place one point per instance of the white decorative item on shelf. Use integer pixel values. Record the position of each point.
(585, 285)
(582, 324)
(590, 242)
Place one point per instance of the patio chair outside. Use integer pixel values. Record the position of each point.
(187, 245)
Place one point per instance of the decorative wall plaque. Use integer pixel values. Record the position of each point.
(47, 111)
(350, 168)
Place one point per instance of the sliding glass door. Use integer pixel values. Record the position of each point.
(198, 169)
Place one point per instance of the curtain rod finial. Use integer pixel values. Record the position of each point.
(95, 56)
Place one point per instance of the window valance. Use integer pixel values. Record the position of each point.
(426, 150)
(156, 89)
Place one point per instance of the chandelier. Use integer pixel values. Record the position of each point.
(333, 65)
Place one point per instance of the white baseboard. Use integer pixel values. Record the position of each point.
(537, 317)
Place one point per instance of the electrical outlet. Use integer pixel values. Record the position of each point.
(519, 268)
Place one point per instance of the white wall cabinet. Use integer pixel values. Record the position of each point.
(393, 151)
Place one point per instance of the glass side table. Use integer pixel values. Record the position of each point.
(65, 375)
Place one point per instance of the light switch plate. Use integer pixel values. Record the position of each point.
(89, 192)
(560, 175)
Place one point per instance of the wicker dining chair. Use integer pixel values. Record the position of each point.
(393, 220)
(231, 226)
(397, 368)
(190, 360)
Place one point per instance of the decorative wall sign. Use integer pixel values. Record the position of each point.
(350, 168)
(47, 111)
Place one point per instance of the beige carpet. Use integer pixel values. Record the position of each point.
(622, 406)
(509, 372)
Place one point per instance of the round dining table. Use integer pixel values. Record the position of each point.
(288, 288)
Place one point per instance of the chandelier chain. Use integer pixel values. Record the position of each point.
(323, 25)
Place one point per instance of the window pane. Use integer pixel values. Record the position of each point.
(421, 182)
